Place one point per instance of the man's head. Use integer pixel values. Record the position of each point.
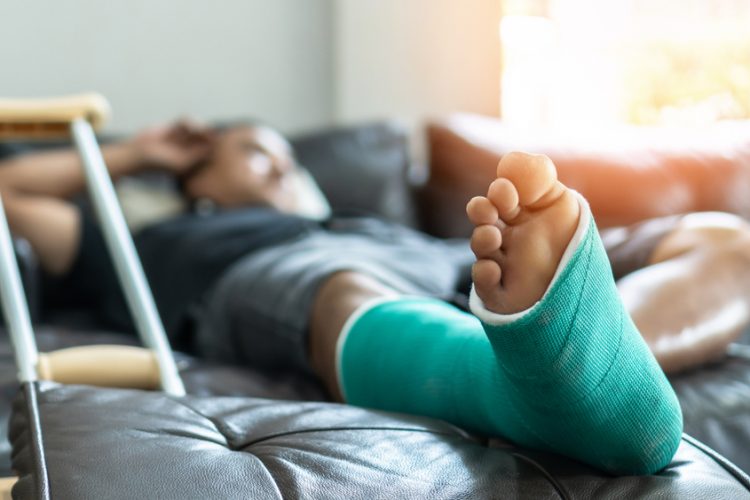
(247, 165)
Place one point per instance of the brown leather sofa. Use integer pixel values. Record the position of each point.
(247, 434)
(627, 174)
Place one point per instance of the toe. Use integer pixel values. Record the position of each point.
(532, 175)
(504, 196)
(486, 275)
(486, 241)
(481, 211)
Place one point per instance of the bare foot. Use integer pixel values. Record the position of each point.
(523, 226)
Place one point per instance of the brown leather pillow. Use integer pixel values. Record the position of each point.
(628, 174)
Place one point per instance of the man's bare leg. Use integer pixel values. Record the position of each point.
(337, 299)
(694, 298)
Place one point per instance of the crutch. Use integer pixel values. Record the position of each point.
(77, 116)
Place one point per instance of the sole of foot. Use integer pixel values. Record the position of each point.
(522, 227)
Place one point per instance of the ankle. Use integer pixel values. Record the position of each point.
(337, 299)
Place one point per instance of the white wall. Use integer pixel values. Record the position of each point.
(299, 64)
(416, 58)
(157, 59)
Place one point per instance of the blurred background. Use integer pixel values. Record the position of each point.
(647, 62)
(314, 63)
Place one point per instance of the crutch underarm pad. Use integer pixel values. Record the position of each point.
(50, 117)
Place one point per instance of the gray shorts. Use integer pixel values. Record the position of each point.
(257, 313)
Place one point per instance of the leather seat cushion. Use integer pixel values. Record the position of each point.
(108, 443)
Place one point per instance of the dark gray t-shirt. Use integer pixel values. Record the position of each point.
(182, 258)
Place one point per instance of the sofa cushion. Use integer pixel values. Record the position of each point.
(83, 442)
(200, 378)
(627, 174)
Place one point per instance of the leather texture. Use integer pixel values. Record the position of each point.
(627, 174)
(715, 404)
(715, 399)
(203, 379)
(109, 443)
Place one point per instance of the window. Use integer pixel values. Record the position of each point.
(588, 62)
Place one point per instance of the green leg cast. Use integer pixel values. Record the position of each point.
(570, 375)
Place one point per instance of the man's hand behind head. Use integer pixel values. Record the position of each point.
(176, 147)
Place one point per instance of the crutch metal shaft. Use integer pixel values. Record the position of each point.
(121, 248)
(14, 306)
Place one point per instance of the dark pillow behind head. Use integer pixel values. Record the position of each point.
(361, 169)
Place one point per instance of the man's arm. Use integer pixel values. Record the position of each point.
(58, 173)
(36, 187)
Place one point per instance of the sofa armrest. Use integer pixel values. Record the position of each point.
(627, 173)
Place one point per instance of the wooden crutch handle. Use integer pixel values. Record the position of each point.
(101, 365)
(50, 117)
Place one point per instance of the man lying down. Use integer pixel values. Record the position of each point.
(549, 359)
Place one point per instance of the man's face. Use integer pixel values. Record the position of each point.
(248, 165)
